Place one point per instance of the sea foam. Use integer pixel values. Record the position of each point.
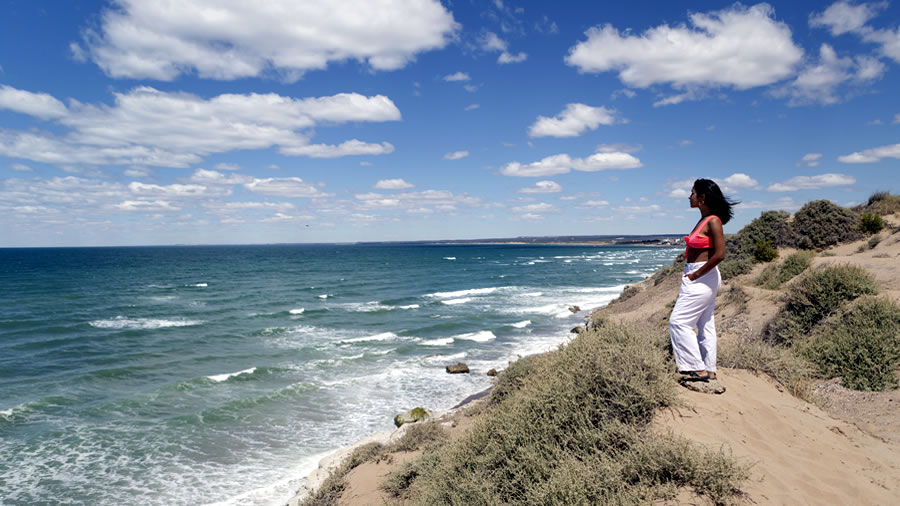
(462, 293)
(121, 322)
(481, 337)
(384, 336)
(218, 378)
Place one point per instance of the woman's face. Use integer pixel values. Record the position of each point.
(695, 200)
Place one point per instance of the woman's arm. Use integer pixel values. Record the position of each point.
(717, 253)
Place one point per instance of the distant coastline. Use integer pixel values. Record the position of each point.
(587, 240)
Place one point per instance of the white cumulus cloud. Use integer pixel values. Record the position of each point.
(819, 82)
(563, 163)
(148, 127)
(456, 155)
(738, 180)
(543, 187)
(458, 76)
(872, 155)
(810, 160)
(812, 182)
(740, 47)
(40, 105)
(491, 43)
(572, 121)
(227, 39)
(290, 187)
(843, 17)
(393, 184)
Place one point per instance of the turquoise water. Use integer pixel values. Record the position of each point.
(193, 375)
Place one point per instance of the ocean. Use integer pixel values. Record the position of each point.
(223, 374)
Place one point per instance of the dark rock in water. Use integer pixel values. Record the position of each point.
(574, 309)
(577, 330)
(492, 372)
(458, 368)
(412, 416)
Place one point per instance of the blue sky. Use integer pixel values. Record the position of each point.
(133, 122)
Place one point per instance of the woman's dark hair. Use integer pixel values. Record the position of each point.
(719, 204)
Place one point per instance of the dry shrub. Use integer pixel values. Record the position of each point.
(775, 275)
(575, 432)
(882, 203)
(815, 296)
(822, 223)
(861, 344)
(418, 436)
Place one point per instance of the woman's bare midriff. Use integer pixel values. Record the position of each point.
(697, 255)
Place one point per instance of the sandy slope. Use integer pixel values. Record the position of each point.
(846, 453)
(800, 454)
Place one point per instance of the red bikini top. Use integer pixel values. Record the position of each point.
(698, 241)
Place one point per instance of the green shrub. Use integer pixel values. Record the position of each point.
(735, 266)
(815, 296)
(766, 278)
(764, 251)
(776, 275)
(793, 265)
(870, 223)
(772, 226)
(821, 223)
(861, 345)
(577, 434)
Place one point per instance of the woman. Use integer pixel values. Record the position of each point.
(695, 354)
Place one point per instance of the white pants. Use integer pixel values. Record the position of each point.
(694, 308)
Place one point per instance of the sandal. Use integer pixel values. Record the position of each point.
(693, 376)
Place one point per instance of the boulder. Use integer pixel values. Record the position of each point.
(492, 372)
(577, 330)
(574, 309)
(412, 416)
(460, 367)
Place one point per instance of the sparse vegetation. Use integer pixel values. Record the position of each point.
(870, 223)
(882, 203)
(873, 242)
(628, 292)
(662, 274)
(861, 344)
(331, 489)
(585, 441)
(814, 297)
(821, 224)
(789, 369)
(775, 275)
